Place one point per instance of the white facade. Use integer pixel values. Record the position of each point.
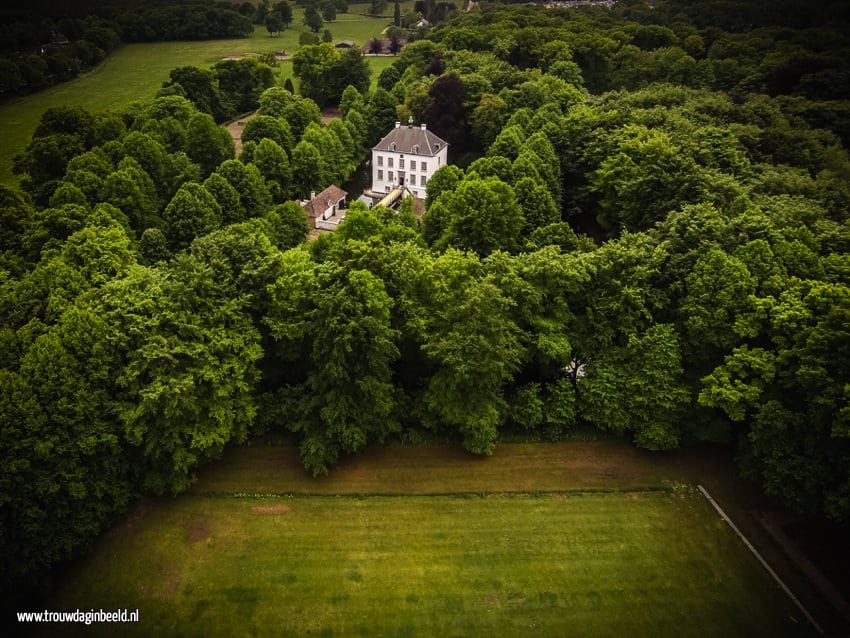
(407, 156)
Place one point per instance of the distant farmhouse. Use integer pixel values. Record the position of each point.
(406, 158)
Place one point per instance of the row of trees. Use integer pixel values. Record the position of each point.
(41, 51)
(324, 72)
(39, 56)
(231, 87)
(228, 89)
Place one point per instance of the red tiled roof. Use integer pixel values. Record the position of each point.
(324, 200)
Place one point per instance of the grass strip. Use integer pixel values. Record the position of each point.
(656, 563)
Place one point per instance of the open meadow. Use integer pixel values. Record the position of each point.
(578, 539)
(137, 71)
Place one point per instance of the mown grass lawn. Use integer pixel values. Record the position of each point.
(137, 71)
(642, 562)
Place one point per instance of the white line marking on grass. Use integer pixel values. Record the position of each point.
(760, 559)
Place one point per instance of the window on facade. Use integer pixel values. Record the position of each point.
(391, 176)
(423, 166)
(380, 160)
(390, 162)
(422, 181)
(401, 163)
(380, 175)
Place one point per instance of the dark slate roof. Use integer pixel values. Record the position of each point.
(407, 138)
(324, 200)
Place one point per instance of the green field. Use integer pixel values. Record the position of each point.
(417, 547)
(137, 71)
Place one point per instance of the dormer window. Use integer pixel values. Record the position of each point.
(416, 148)
(392, 146)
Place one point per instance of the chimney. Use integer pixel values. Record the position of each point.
(397, 124)
(312, 195)
(422, 126)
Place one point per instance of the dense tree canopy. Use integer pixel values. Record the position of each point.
(643, 230)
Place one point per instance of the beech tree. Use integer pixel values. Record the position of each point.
(274, 23)
(638, 388)
(475, 346)
(185, 388)
(192, 212)
(273, 164)
(64, 474)
(348, 398)
(482, 215)
(207, 144)
(793, 389)
(647, 178)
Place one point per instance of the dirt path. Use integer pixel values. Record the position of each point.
(235, 129)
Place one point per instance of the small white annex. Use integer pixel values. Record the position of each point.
(407, 157)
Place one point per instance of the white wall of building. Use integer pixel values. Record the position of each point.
(391, 169)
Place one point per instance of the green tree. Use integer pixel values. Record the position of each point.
(475, 347)
(305, 168)
(348, 398)
(538, 206)
(792, 390)
(718, 292)
(325, 73)
(328, 11)
(312, 66)
(483, 216)
(274, 23)
(377, 7)
(247, 180)
(446, 178)
(187, 381)
(286, 225)
(645, 179)
(207, 144)
(153, 247)
(273, 164)
(191, 213)
(64, 474)
(273, 128)
(274, 101)
(201, 88)
(131, 190)
(638, 388)
(15, 213)
(312, 19)
(232, 207)
(241, 82)
(284, 10)
(488, 118)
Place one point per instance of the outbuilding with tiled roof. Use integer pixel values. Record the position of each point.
(324, 205)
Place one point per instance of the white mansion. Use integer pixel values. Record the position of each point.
(407, 157)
